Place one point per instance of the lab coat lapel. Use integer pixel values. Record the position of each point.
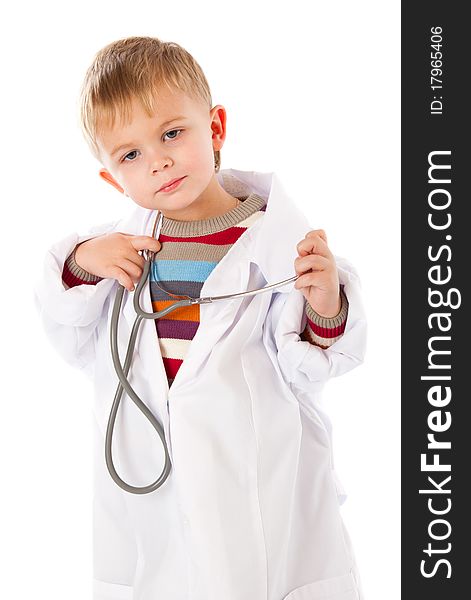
(229, 276)
(273, 245)
(261, 245)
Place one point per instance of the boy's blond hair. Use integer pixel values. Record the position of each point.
(136, 68)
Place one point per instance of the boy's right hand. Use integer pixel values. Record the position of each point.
(115, 255)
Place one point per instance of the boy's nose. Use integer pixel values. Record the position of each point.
(159, 163)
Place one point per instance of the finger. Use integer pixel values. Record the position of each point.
(134, 257)
(145, 242)
(317, 238)
(311, 262)
(133, 271)
(122, 278)
(312, 279)
(320, 232)
(313, 244)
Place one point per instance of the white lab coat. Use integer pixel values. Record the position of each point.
(250, 510)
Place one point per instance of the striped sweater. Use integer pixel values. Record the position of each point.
(189, 252)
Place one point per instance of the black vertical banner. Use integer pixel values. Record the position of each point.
(436, 331)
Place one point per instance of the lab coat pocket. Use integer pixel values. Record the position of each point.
(336, 588)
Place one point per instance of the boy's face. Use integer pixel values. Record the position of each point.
(176, 142)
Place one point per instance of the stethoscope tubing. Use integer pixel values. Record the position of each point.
(122, 373)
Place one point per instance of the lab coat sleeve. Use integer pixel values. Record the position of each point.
(70, 316)
(304, 365)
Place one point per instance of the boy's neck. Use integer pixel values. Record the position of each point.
(214, 201)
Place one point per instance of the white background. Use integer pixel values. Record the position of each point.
(312, 92)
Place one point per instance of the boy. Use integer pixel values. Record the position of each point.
(250, 508)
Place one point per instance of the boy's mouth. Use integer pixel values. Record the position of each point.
(171, 185)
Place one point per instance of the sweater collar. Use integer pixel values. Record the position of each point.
(250, 205)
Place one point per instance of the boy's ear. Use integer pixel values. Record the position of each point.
(106, 175)
(218, 126)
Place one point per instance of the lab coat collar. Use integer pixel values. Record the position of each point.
(273, 243)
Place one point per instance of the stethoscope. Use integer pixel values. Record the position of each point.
(122, 371)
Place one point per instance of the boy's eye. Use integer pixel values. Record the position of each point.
(130, 155)
(173, 131)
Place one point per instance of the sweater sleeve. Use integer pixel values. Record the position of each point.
(322, 331)
(73, 274)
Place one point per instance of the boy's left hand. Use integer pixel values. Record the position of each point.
(319, 279)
